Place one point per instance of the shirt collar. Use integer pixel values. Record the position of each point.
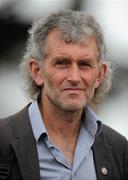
(91, 121)
(36, 120)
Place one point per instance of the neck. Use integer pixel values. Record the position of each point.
(60, 121)
(62, 127)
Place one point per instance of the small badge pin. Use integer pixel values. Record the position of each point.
(104, 170)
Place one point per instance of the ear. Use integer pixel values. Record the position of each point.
(101, 74)
(35, 72)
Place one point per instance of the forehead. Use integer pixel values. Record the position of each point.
(56, 44)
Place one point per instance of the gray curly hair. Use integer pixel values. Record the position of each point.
(75, 27)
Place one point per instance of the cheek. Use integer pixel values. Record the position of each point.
(51, 81)
(48, 83)
(56, 77)
(90, 79)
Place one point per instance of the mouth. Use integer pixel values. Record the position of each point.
(73, 89)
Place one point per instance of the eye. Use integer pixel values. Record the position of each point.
(84, 64)
(61, 62)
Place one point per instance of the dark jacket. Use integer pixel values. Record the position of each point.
(110, 151)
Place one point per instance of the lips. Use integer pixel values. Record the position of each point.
(72, 89)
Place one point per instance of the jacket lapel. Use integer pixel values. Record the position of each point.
(26, 154)
(102, 158)
(24, 146)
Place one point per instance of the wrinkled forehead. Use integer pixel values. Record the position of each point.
(58, 35)
(73, 36)
(56, 42)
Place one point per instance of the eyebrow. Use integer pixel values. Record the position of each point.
(68, 58)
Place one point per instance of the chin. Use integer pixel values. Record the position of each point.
(73, 107)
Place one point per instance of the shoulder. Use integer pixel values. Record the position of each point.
(23, 113)
(117, 143)
(112, 136)
(18, 114)
(17, 122)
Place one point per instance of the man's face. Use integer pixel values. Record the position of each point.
(70, 73)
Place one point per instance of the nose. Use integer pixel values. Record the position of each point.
(74, 74)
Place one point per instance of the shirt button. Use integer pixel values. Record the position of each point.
(104, 170)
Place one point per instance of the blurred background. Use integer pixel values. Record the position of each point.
(15, 19)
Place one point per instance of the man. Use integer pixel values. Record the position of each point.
(58, 136)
